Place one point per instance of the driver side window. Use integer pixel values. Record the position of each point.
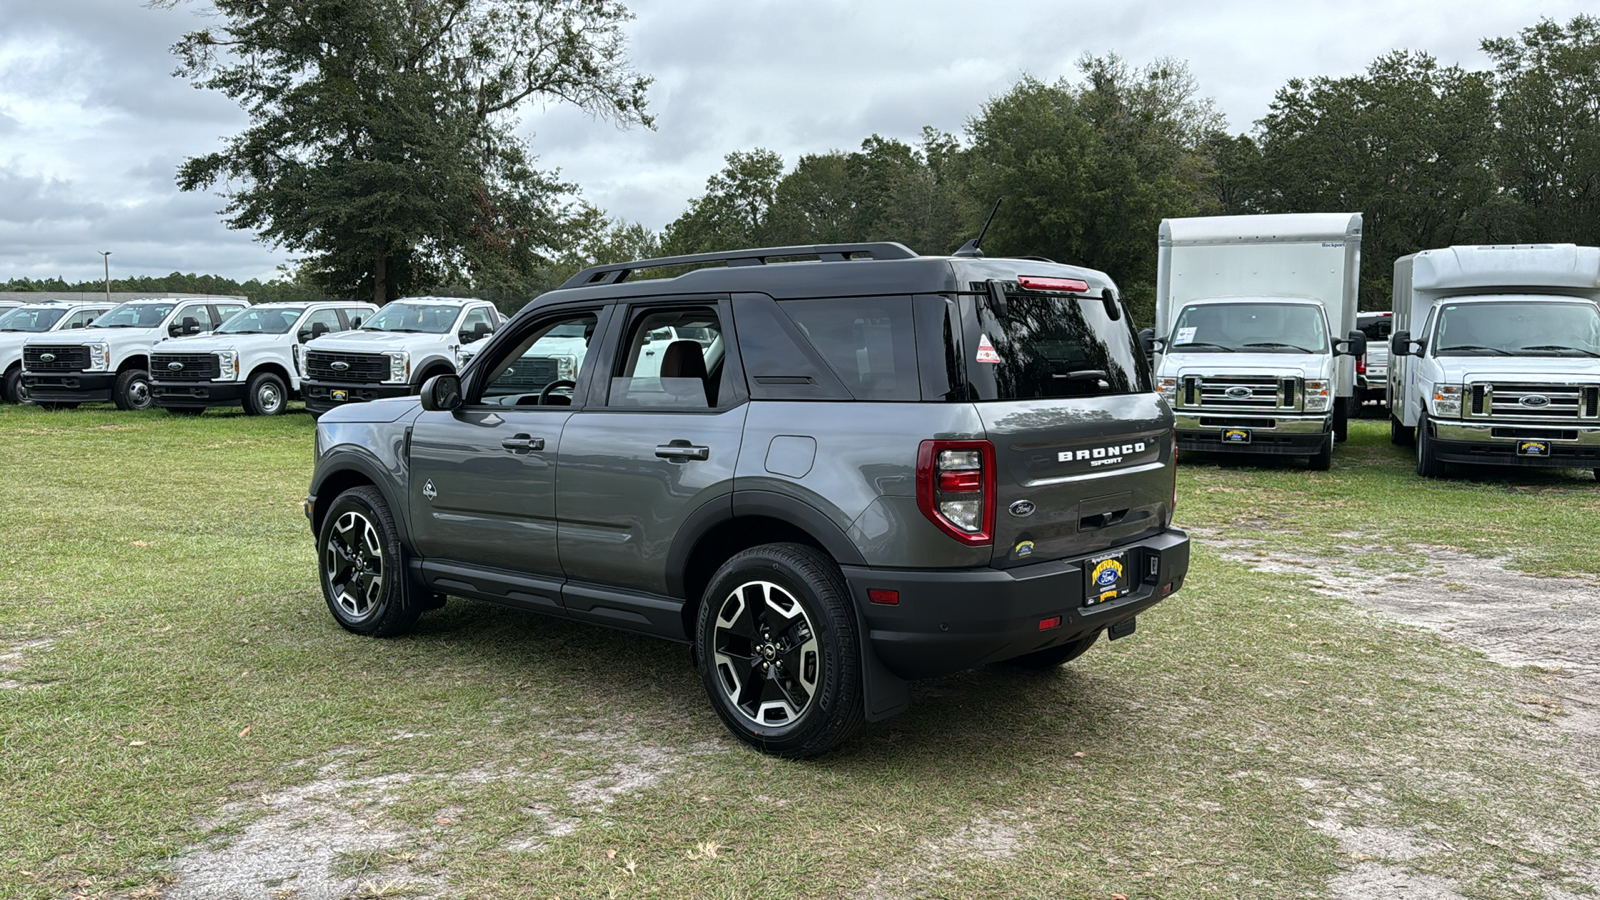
(541, 369)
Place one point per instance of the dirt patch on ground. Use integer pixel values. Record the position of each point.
(12, 659)
(990, 838)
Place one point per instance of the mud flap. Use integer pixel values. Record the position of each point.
(883, 693)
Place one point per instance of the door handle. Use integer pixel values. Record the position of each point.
(519, 442)
(682, 450)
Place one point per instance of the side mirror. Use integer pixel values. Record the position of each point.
(187, 326)
(1400, 344)
(1354, 344)
(442, 393)
(1150, 343)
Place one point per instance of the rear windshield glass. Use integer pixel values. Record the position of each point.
(1376, 329)
(1038, 345)
(870, 343)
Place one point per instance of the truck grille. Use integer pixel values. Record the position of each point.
(1245, 393)
(527, 375)
(1546, 402)
(191, 367)
(358, 367)
(62, 359)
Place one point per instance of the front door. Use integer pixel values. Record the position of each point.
(483, 476)
(657, 442)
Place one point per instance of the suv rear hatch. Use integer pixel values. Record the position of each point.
(1083, 445)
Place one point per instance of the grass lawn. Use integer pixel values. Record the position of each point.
(180, 716)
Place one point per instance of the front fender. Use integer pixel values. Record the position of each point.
(378, 458)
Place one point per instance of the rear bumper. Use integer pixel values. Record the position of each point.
(1570, 446)
(950, 620)
(69, 387)
(196, 393)
(320, 396)
(1284, 435)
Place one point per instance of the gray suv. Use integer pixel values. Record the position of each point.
(828, 469)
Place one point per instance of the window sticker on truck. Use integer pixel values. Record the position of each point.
(1185, 335)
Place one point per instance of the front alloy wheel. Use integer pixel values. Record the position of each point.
(358, 555)
(353, 559)
(766, 654)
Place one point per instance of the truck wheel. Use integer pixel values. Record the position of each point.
(132, 390)
(1428, 465)
(358, 555)
(11, 389)
(265, 395)
(1341, 419)
(1399, 435)
(1322, 460)
(778, 652)
(1054, 656)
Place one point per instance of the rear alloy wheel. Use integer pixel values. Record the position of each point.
(358, 553)
(1053, 657)
(265, 395)
(1428, 464)
(132, 391)
(1322, 460)
(778, 652)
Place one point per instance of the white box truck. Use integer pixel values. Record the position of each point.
(1254, 341)
(1495, 356)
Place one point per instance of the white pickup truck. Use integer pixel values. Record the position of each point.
(405, 343)
(110, 359)
(1495, 356)
(21, 322)
(252, 360)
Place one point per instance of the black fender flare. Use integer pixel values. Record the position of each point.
(755, 503)
(351, 459)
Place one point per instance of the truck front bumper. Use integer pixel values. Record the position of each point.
(1567, 446)
(950, 620)
(69, 387)
(1282, 435)
(196, 393)
(321, 396)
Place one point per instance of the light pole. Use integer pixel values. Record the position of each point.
(105, 257)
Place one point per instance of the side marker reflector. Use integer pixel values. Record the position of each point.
(886, 597)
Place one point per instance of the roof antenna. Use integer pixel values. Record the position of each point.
(970, 248)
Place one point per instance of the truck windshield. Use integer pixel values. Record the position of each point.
(424, 318)
(263, 320)
(1521, 326)
(1250, 327)
(134, 315)
(30, 319)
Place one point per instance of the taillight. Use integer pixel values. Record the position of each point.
(1361, 366)
(956, 488)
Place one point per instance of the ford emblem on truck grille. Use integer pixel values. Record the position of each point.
(1535, 401)
(1239, 392)
(47, 357)
(339, 366)
(175, 366)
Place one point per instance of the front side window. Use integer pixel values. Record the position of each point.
(31, 320)
(543, 368)
(317, 324)
(420, 318)
(135, 315)
(673, 359)
(263, 320)
(83, 317)
(1519, 327)
(1256, 327)
(476, 325)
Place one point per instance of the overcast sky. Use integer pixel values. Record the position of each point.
(93, 125)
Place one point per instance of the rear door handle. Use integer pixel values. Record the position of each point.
(520, 442)
(682, 450)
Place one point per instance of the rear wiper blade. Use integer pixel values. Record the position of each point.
(1473, 347)
(1280, 344)
(1204, 344)
(1560, 347)
(1083, 375)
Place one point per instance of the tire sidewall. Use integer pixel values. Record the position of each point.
(11, 387)
(125, 389)
(392, 594)
(253, 404)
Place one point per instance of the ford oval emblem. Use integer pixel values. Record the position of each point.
(1022, 508)
(1535, 401)
(1239, 392)
(47, 357)
(175, 366)
(339, 366)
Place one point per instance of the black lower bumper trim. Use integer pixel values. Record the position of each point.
(321, 396)
(1260, 442)
(1505, 454)
(196, 393)
(73, 387)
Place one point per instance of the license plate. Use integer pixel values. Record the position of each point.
(1236, 435)
(1106, 578)
(341, 396)
(1533, 448)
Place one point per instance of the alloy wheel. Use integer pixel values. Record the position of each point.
(353, 559)
(766, 654)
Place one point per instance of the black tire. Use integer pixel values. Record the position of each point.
(11, 390)
(1428, 464)
(185, 410)
(1341, 419)
(1597, 474)
(1399, 435)
(265, 395)
(1322, 460)
(132, 391)
(799, 644)
(361, 567)
(1052, 657)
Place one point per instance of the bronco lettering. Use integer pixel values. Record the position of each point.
(1101, 453)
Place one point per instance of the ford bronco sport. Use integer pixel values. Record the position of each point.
(848, 467)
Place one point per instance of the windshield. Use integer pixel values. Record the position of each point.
(263, 320)
(1526, 326)
(426, 318)
(33, 319)
(134, 315)
(1253, 327)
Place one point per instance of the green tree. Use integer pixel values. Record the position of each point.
(382, 143)
(733, 212)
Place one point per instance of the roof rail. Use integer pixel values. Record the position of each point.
(618, 272)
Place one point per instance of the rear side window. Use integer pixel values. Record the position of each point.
(870, 343)
(1036, 346)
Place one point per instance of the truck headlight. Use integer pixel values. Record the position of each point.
(567, 368)
(463, 356)
(1318, 396)
(299, 364)
(227, 365)
(1447, 400)
(1169, 390)
(399, 366)
(99, 357)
